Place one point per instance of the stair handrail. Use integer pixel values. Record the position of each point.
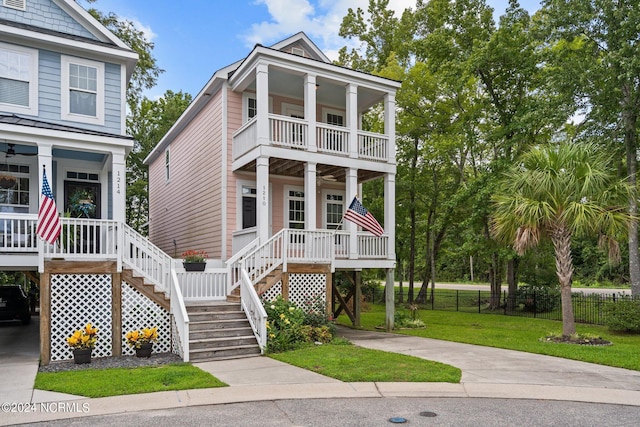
(261, 261)
(233, 265)
(180, 315)
(148, 259)
(253, 308)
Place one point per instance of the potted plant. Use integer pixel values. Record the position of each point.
(142, 341)
(194, 260)
(82, 343)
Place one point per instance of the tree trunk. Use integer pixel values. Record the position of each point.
(512, 266)
(561, 238)
(630, 119)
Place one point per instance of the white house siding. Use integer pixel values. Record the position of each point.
(187, 208)
(45, 14)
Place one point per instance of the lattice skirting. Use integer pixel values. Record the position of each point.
(78, 299)
(302, 287)
(139, 312)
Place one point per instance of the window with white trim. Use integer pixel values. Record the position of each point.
(249, 206)
(295, 201)
(250, 106)
(18, 79)
(14, 185)
(333, 209)
(82, 90)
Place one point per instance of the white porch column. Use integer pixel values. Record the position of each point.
(310, 110)
(262, 188)
(119, 186)
(352, 118)
(390, 212)
(262, 103)
(310, 201)
(352, 189)
(390, 124)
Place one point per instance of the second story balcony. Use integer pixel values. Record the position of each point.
(329, 139)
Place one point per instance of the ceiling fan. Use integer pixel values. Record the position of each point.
(11, 152)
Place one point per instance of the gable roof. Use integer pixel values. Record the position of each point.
(302, 39)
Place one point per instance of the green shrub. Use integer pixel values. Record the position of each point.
(623, 315)
(290, 327)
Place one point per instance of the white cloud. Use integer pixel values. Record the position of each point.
(319, 19)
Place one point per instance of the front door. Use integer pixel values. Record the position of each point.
(82, 199)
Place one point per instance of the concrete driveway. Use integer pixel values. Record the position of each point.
(19, 359)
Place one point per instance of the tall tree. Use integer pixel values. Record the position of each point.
(147, 123)
(562, 192)
(594, 51)
(147, 70)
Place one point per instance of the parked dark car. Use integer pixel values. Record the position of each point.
(14, 304)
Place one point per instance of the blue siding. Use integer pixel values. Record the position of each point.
(49, 86)
(49, 97)
(46, 14)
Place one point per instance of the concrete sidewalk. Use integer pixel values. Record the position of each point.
(487, 372)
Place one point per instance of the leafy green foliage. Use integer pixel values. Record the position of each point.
(623, 315)
(290, 327)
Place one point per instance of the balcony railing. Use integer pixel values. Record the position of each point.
(18, 233)
(369, 246)
(293, 133)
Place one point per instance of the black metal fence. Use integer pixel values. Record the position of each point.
(587, 308)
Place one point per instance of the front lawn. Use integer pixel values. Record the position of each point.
(119, 381)
(514, 333)
(356, 364)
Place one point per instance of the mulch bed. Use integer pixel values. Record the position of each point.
(156, 359)
(578, 341)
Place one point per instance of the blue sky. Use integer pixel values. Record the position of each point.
(195, 38)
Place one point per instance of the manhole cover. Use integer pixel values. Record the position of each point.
(397, 420)
(428, 414)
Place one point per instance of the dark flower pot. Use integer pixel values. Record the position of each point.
(82, 355)
(144, 350)
(194, 266)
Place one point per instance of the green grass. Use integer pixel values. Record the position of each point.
(356, 364)
(119, 381)
(514, 333)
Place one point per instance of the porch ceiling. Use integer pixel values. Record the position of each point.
(294, 168)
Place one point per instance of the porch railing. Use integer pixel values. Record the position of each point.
(288, 131)
(332, 139)
(245, 138)
(373, 146)
(210, 285)
(369, 246)
(83, 238)
(18, 233)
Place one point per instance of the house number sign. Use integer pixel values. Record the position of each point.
(264, 195)
(118, 180)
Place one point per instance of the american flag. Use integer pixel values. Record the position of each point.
(48, 220)
(361, 216)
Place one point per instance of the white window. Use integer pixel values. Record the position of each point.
(333, 117)
(18, 79)
(249, 206)
(14, 186)
(167, 174)
(82, 90)
(250, 106)
(295, 200)
(333, 208)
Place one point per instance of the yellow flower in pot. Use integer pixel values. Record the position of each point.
(142, 340)
(82, 342)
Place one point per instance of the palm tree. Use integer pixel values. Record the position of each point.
(558, 192)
